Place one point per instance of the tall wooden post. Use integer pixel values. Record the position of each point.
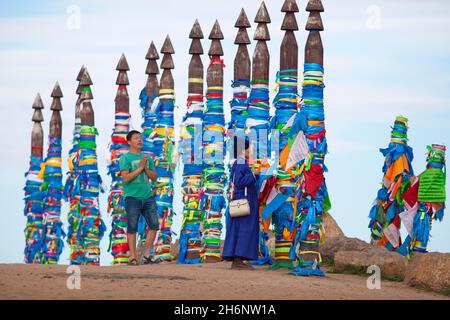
(149, 99)
(241, 82)
(92, 226)
(258, 110)
(37, 134)
(258, 121)
(164, 143)
(118, 146)
(53, 186)
(191, 157)
(76, 132)
(71, 194)
(213, 202)
(149, 104)
(286, 107)
(314, 198)
(34, 210)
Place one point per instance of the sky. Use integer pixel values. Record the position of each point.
(383, 58)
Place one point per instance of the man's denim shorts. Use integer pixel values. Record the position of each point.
(136, 207)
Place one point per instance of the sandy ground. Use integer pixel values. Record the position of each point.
(205, 281)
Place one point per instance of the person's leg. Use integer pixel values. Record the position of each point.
(151, 217)
(132, 245)
(238, 263)
(132, 208)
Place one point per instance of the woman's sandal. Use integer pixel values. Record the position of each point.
(133, 262)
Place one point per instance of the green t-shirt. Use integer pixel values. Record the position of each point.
(140, 187)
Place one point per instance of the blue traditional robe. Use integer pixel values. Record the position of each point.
(242, 233)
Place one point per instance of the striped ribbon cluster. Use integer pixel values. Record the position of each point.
(34, 212)
(118, 244)
(214, 178)
(163, 141)
(239, 105)
(52, 187)
(258, 120)
(314, 200)
(72, 194)
(189, 148)
(150, 108)
(397, 170)
(91, 227)
(285, 103)
(431, 199)
(258, 127)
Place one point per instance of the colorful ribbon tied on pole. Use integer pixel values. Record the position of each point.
(34, 212)
(239, 106)
(52, 187)
(312, 199)
(258, 127)
(277, 200)
(398, 173)
(164, 143)
(118, 244)
(72, 194)
(424, 202)
(190, 151)
(92, 227)
(150, 109)
(214, 179)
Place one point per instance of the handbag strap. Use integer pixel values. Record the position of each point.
(232, 186)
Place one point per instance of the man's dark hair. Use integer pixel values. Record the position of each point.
(237, 143)
(131, 134)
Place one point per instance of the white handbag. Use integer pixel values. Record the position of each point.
(240, 207)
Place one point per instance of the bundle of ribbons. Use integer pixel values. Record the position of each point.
(398, 173)
(214, 179)
(72, 194)
(118, 244)
(277, 199)
(308, 150)
(150, 109)
(163, 141)
(149, 105)
(189, 148)
(239, 106)
(91, 228)
(34, 212)
(52, 187)
(258, 127)
(424, 202)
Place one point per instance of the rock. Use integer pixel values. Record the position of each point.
(332, 229)
(391, 264)
(335, 244)
(429, 270)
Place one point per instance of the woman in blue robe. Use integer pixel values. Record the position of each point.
(242, 233)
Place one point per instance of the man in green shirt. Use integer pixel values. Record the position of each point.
(137, 169)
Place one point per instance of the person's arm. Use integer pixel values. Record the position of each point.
(150, 170)
(151, 174)
(128, 176)
(244, 176)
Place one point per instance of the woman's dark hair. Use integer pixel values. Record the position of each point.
(237, 145)
(131, 134)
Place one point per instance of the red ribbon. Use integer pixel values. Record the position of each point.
(216, 60)
(318, 135)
